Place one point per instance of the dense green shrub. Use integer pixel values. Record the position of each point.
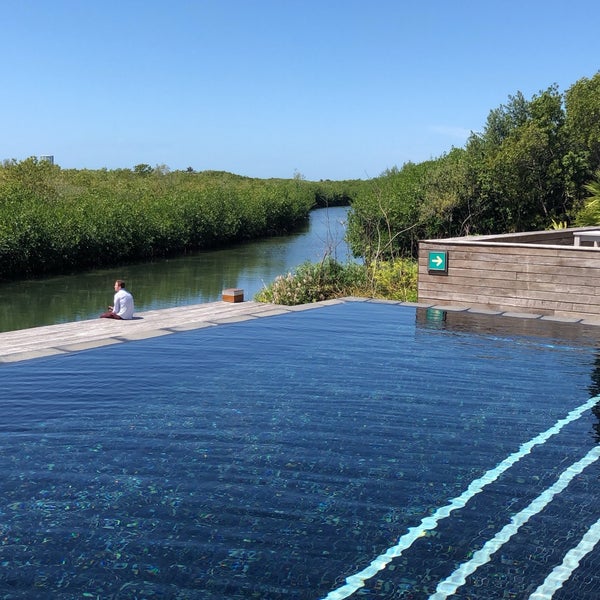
(314, 282)
(55, 220)
(394, 280)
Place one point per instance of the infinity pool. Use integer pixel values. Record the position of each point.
(361, 450)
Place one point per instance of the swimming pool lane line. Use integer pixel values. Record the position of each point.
(357, 581)
(482, 556)
(570, 562)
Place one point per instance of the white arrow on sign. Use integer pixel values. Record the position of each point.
(438, 260)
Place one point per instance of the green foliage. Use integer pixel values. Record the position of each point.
(446, 210)
(556, 225)
(517, 172)
(54, 220)
(590, 213)
(30, 179)
(582, 104)
(142, 169)
(337, 193)
(394, 280)
(582, 123)
(314, 282)
(384, 221)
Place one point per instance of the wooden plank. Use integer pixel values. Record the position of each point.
(465, 290)
(527, 288)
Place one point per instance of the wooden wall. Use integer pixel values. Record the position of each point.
(509, 274)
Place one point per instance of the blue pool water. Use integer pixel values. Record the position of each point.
(360, 450)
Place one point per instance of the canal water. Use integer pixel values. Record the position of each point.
(191, 279)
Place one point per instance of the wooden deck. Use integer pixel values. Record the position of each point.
(36, 342)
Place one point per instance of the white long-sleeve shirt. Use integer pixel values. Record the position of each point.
(123, 304)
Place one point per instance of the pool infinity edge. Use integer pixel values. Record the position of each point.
(49, 340)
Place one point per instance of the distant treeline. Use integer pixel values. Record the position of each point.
(535, 165)
(57, 220)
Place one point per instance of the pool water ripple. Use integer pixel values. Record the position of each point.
(276, 458)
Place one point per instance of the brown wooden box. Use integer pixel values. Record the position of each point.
(233, 295)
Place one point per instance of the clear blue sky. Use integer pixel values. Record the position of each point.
(330, 89)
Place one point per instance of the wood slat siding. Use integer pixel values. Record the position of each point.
(537, 272)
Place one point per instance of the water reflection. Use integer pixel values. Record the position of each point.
(192, 279)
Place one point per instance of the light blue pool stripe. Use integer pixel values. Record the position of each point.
(458, 578)
(356, 581)
(562, 572)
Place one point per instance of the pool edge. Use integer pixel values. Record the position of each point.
(64, 338)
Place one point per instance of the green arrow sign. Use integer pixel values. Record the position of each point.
(438, 261)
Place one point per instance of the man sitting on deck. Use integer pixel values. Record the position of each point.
(123, 303)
